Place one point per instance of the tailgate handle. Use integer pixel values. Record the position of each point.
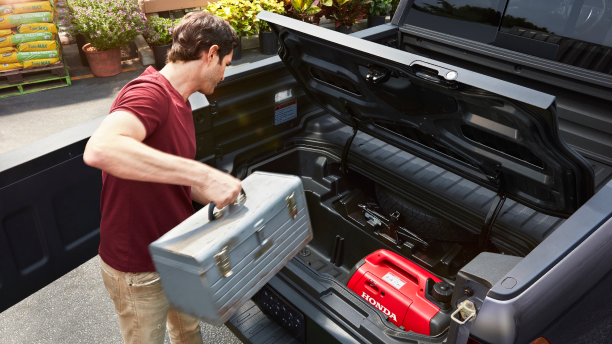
(449, 75)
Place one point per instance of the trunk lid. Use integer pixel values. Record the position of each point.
(498, 134)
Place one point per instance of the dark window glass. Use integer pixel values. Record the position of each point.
(477, 20)
(575, 32)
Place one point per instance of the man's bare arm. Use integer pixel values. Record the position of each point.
(116, 147)
(197, 195)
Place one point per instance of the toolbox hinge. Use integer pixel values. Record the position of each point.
(494, 209)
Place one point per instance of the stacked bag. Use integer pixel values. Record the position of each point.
(27, 34)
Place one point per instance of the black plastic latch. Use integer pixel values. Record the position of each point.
(378, 75)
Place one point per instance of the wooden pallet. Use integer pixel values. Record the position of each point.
(28, 80)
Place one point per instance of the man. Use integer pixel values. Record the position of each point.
(145, 148)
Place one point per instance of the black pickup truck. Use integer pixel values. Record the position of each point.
(480, 129)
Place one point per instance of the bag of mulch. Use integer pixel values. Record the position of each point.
(12, 20)
(6, 9)
(39, 62)
(8, 50)
(12, 2)
(11, 40)
(37, 46)
(8, 58)
(9, 66)
(37, 27)
(36, 55)
(30, 7)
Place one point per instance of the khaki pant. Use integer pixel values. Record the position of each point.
(143, 309)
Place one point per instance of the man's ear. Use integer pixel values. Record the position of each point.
(212, 53)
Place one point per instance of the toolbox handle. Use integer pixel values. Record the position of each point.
(212, 215)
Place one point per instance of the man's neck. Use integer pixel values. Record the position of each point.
(182, 76)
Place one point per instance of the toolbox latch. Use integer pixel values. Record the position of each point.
(223, 262)
(292, 205)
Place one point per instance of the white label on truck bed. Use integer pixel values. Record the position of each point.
(285, 112)
(393, 280)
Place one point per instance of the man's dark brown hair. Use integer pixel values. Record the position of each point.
(196, 33)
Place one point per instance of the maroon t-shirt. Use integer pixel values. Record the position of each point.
(134, 214)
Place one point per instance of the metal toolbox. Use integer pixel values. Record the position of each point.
(210, 268)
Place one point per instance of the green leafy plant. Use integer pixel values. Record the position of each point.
(158, 31)
(379, 7)
(346, 12)
(106, 24)
(306, 10)
(274, 6)
(239, 13)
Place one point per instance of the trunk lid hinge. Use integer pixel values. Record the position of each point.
(494, 209)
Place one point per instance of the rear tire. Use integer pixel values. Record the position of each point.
(421, 221)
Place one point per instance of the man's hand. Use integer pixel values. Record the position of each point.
(218, 187)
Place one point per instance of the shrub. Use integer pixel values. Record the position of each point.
(106, 24)
(346, 12)
(158, 31)
(274, 6)
(379, 7)
(305, 10)
(239, 13)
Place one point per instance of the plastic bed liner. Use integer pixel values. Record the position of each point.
(444, 192)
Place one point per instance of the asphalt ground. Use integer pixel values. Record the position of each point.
(75, 308)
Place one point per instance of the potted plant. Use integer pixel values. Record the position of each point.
(305, 10)
(268, 43)
(241, 16)
(377, 12)
(158, 33)
(346, 13)
(107, 26)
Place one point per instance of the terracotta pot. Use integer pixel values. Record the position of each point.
(161, 53)
(103, 63)
(344, 29)
(375, 20)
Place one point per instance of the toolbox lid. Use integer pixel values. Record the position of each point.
(495, 133)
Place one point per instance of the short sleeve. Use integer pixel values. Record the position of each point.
(146, 100)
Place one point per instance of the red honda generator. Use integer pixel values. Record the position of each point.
(410, 296)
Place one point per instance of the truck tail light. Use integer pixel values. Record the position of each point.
(541, 340)
(472, 341)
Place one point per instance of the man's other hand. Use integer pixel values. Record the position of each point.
(219, 187)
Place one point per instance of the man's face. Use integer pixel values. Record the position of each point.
(214, 71)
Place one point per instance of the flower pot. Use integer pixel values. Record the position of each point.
(268, 43)
(375, 20)
(80, 41)
(103, 63)
(160, 52)
(344, 29)
(238, 51)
